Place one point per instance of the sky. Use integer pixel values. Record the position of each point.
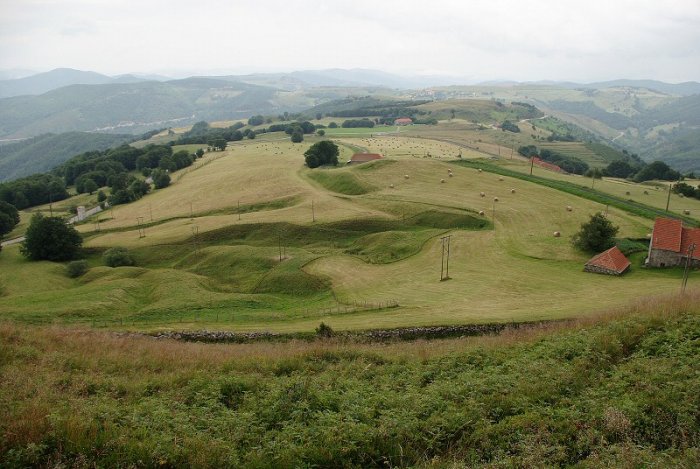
(580, 41)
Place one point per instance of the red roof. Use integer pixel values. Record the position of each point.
(612, 259)
(690, 236)
(543, 164)
(404, 120)
(667, 234)
(364, 157)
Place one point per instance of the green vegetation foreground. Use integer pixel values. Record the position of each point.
(618, 390)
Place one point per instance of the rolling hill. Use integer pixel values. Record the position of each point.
(42, 153)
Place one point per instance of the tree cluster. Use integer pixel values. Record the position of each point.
(687, 190)
(202, 133)
(49, 238)
(357, 123)
(510, 127)
(33, 190)
(9, 217)
(569, 164)
(322, 154)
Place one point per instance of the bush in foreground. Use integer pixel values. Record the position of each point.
(76, 269)
(117, 257)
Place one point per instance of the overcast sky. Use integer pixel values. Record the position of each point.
(578, 40)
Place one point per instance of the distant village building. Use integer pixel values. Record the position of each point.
(358, 158)
(403, 121)
(610, 262)
(671, 242)
(543, 164)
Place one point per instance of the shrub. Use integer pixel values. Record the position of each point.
(596, 235)
(9, 217)
(161, 179)
(49, 238)
(297, 137)
(76, 268)
(324, 330)
(117, 257)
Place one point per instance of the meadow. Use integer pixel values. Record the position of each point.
(250, 239)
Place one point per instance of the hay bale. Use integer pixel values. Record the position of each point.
(405, 176)
(450, 174)
(569, 208)
(686, 212)
(512, 191)
(557, 234)
(495, 199)
(481, 212)
(391, 186)
(627, 193)
(500, 178)
(479, 170)
(482, 194)
(442, 180)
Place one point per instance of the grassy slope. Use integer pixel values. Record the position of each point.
(617, 391)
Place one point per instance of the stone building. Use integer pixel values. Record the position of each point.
(671, 243)
(610, 262)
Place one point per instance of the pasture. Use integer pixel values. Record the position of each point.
(342, 245)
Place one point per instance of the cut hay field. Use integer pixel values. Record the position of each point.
(336, 245)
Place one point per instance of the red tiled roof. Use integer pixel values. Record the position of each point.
(362, 157)
(612, 259)
(543, 164)
(667, 234)
(690, 236)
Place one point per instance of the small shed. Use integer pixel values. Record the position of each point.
(610, 262)
(403, 121)
(358, 158)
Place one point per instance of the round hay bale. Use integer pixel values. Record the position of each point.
(495, 199)
(405, 176)
(449, 170)
(569, 208)
(481, 212)
(627, 193)
(391, 186)
(557, 234)
(686, 212)
(648, 235)
(500, 178)
(479, 170)
(442, 180)
(512, 191)
(450, 174)
(482, 194)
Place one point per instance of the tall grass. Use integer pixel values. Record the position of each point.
(618, 388)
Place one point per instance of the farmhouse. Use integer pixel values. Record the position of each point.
(671, 242)
(358, 158)
(610, 262)
(543, 164)
(403, 121)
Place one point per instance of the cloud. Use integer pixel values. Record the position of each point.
(484, 39)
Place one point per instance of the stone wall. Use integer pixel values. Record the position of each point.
(660, 258)
(600, 270)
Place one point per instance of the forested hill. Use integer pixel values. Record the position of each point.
(133, 107)
(42, 153)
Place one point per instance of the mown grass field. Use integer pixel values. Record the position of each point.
(336, 245)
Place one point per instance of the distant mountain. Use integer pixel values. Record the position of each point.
(137, 107)
(43, 82)
(45, 152)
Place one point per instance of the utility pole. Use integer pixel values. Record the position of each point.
(150, 211)
(668, 200)
(686, 271)
(313, 212)
(195, 232)
(279, 244)
(142, 229)
(532, 163)
(445, 261)
(191, 212)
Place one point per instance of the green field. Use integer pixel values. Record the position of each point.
(249, 239)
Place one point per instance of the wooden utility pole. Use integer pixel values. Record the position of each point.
(686, 271)
(668, 200)
(313, 212)
(532, 163)
(142, 229)
(445, 261)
